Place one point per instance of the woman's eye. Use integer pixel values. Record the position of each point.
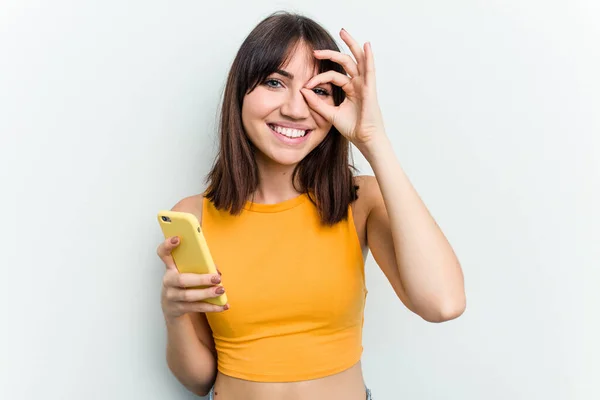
(321, 92)
(272, 83)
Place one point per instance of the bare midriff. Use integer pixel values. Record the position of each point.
(346, 385)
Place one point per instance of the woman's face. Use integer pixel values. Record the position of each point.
(277, 118)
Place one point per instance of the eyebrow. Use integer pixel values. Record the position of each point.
(285, 73)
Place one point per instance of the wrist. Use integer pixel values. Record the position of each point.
(176, 321)
(375, 148)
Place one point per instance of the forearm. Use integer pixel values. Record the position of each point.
(430, 271)
(192, 363)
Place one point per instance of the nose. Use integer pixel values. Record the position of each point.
(295, 106)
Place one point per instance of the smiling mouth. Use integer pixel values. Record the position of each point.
(289, 132)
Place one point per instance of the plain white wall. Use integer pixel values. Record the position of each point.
(107, 114)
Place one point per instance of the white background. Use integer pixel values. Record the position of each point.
(107, 114)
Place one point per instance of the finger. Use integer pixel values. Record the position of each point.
(206, 307)
(193, 295)
(185, 280)
(356, 50)
(343, 59)
(164, 251)
(369, 66)
(334, 77)
(325, 110)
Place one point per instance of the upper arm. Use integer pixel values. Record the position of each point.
(379, 236)
(193, 205)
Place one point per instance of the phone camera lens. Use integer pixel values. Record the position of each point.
(164, 219)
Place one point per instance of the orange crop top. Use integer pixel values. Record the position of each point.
(296, 291)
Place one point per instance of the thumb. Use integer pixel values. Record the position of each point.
(165, 249)
(325, 110)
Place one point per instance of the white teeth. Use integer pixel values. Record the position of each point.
(291, 133)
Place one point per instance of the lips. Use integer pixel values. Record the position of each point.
(291, 125)
(289, 131)
(289, 135)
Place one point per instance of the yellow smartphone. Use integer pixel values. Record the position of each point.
(192, 255)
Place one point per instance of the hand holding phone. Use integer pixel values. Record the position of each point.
(191, 282)
(180, 293)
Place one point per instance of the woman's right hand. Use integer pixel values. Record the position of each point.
(177, 298)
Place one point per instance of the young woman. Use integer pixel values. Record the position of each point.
(289, 227)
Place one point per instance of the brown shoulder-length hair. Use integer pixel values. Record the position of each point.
(325, 174)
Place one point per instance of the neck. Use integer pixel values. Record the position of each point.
(275, 183)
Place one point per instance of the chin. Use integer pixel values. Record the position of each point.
(286, 159)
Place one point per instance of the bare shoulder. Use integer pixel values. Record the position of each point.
(369, 194)
(191, 204)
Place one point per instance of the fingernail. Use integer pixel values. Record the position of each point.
(343, 30)
(215, 279)
(226, 307)
(174, 240)
(220, 290)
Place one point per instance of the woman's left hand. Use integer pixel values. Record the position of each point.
(359, 117)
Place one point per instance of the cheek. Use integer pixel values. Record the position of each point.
(258, 104)
(252, 110)
(321, 122)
